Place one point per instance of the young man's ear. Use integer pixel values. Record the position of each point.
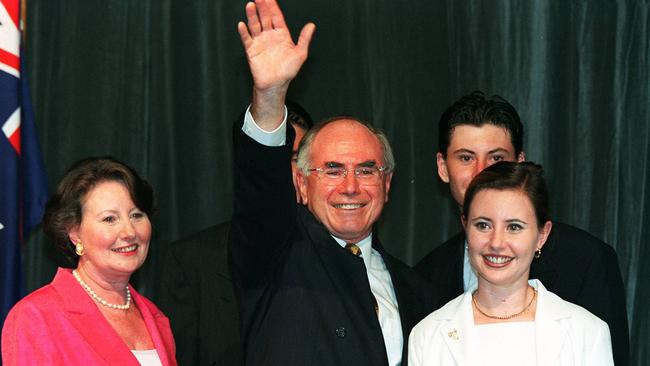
(521, 157)
(442, 167)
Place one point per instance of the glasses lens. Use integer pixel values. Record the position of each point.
(334, 173)
(366, 172)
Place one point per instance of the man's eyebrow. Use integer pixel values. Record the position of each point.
(463, 151)
(367, 164)
(336, 164)
(498, 150)
(333, 164)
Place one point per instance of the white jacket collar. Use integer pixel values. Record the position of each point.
(550, 331)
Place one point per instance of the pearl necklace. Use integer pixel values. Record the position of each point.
(507, 316)
(92, 294)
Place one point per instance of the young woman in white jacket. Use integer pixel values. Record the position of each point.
(508, 319)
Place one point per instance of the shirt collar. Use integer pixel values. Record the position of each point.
(366, 249)
(365, 244)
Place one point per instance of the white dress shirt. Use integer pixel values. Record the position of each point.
(470, 280)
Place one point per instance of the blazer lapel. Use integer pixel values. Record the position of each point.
(457, 333)
(550, 335)
(90, 323)
(152, 323)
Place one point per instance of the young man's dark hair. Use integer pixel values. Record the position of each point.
(475, 109)
(298, 116)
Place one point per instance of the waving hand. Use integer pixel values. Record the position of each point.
(274, 59)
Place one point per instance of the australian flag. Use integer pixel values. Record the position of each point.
(23, 184)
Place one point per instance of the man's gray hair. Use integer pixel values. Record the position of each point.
(304, 150)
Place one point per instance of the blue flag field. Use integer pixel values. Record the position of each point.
(23, 183)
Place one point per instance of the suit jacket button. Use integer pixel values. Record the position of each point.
(340, 332)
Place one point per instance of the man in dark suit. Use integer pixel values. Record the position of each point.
(198, 294)
(476, 132)
(313, 283)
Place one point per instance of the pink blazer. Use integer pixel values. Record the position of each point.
(59, 324)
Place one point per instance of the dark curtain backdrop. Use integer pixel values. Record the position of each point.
(157, 83)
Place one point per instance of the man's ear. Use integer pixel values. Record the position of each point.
(301, 187)
(521, 157)
(442, 167)
(388, 178)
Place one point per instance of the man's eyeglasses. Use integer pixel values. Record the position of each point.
(366, 174)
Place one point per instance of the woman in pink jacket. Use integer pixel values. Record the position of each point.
(90, 315)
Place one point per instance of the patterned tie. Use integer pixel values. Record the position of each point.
(356, 251)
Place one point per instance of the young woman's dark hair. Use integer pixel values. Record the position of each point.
(526, 176)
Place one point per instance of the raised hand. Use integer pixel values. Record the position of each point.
(274, 59)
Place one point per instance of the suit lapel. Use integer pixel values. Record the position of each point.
(457, 282)
(448, 279)
(406, 299)
(347, 274)
(409, 304)
(90, 323)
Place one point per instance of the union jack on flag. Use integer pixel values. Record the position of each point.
(23, 184)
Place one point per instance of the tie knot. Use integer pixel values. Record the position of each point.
(354, 249)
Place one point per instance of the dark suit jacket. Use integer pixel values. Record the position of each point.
(574, 265)
(304, 300)
(196, 293)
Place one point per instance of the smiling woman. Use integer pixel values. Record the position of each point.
(115, 231)
(507, 222)
(99, 218)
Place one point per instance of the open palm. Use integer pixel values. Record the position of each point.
(274, 59)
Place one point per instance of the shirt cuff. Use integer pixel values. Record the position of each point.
(277, 137)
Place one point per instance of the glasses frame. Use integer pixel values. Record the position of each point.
(321, 173)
